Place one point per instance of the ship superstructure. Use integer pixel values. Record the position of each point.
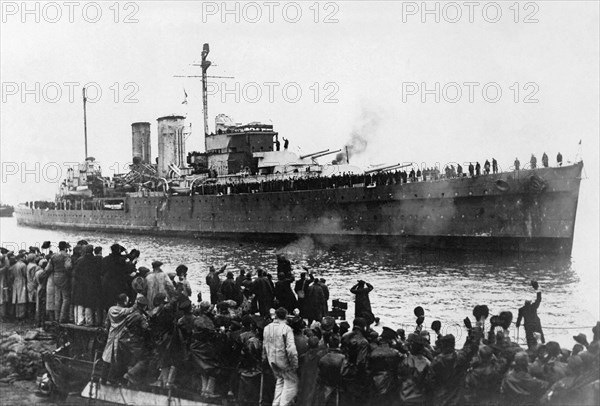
(246, 185)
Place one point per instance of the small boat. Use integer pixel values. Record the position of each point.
(73, 369)
(6, 210)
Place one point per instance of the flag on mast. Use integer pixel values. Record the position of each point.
(184, 97)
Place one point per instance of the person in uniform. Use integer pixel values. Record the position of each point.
(486, 167)
(545, 160)
(533, 162)
(559, 159)
(517, 164)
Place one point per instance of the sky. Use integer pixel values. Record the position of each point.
(421, 82)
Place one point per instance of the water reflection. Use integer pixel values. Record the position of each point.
(446, 284)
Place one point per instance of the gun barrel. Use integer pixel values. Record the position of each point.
(387, 168)
(313, 154)
(326, 153)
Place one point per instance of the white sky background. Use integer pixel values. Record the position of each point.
(369, 53)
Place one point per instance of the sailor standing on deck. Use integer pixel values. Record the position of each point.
(533, 162)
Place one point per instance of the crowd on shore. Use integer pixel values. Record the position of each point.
(266, 341)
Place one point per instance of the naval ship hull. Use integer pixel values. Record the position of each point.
(521, 211)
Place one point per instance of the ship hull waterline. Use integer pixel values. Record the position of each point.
(500, 212)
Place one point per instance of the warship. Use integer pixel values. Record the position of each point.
(245, 186)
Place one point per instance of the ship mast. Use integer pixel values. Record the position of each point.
(205, 65)
(85, 123)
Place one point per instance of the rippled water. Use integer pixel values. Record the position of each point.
(446, 285)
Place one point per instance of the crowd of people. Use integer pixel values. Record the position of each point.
(264, 341)
(388, 177)
(374, 178)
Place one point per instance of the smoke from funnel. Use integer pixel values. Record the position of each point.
(366, 126)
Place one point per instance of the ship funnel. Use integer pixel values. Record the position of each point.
(171, 143)
(140, 138)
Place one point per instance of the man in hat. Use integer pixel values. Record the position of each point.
(284, 294)
(448, 370)
(314, 302)
(362, 307)
(86, 279)
(116, 271)
(413, 372)
(133, 341)
(214, 282)
(182, 285)
(481, 382)
(115, 326)
(279, 350)
(138, 284)
(581, 339)
(383, 364)
(531, 320)
(261, 287)
(159, 282)
(308, 372)
(59, 269)
(518, 386)
(18, 276)
(356, 347)
(229, 289)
